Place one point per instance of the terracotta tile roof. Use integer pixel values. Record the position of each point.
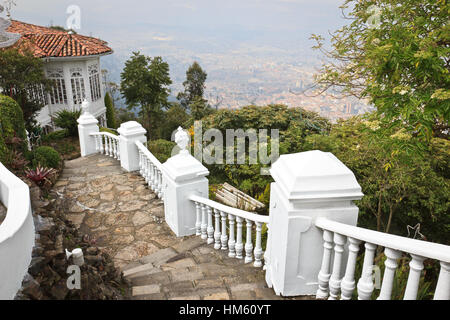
(46, 42)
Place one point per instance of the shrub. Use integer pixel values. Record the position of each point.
(110, 112)
(46, 157)
(55, 135)
(161, 149)
(40, 175)
(68, 120)
(11, 126)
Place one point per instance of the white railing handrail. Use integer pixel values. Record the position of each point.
(230, 210)
(16, 233)
(149, 155)
(102, 133)
(413, 246)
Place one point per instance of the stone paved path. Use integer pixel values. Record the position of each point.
(119, 212)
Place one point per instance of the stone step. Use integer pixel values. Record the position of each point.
(143, 269)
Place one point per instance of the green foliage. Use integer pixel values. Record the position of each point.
(176, 116)
(161, 149)
(46, 157)
(401, 187)
(194, 86)
(19, 72)
(294, 124)
(200, 108)
(401, 64)
(145, 83)
(12, 129)
(55, 135)
(110, 112)
(68, 120)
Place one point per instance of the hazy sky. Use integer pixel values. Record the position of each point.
(104, 18)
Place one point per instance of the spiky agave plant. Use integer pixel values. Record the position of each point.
(40, 175)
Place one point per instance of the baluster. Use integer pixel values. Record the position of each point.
(147, 169)
(248, 243)
(224, 236)
(267, 252)
(217, 233)
(204, 225)
(210, 229)
(160, 184)
(239, 245)
(324, 273)
(348, 282)
(96, 143)
(389, 273)
(102, 146)
(198, 224)
(258, 247)
(115, 148)
(107, 145)
(110, 147)
(335, 280)
(415, 269)
(151, 183)
(442, 291)
(231, 241)
(140, 163)
(118, 149)
(365, 283)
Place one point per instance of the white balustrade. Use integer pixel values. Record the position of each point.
(107, 143)
(150, 169)
(395, 246)
(223, 233)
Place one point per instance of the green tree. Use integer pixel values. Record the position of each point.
(400, 188)
(144, 83)
(174, 117)
(200, 108)
(395, 53)
(20, 73)
(194, 86)
(110, 111)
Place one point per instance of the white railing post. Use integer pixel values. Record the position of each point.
(307, 185)
(131, 132)
(182, 177)
(87, 124)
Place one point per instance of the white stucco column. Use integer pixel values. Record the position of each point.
(307, 185)
(183, 176)
(87, 124)
(130, 132)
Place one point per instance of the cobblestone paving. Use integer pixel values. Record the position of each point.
(117, 210)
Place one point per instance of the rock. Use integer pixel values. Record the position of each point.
(32, 289)
(60, 290)
(92, 251)
(93, 260)
(36, 265)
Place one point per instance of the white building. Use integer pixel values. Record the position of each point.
(72, 61)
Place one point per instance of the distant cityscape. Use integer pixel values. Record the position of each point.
(241, 74)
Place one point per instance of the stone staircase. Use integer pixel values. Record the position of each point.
(124, 217)
(192, 270)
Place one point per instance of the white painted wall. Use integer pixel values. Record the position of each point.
(97, 108)
(16, 233)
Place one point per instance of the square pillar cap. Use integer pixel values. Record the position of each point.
(131, 128)
(183, 166)
(315, 175)
(86, 119)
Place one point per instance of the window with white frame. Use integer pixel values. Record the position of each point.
(36, 93)
(77, 82)
(94, 81)
(58, 93)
